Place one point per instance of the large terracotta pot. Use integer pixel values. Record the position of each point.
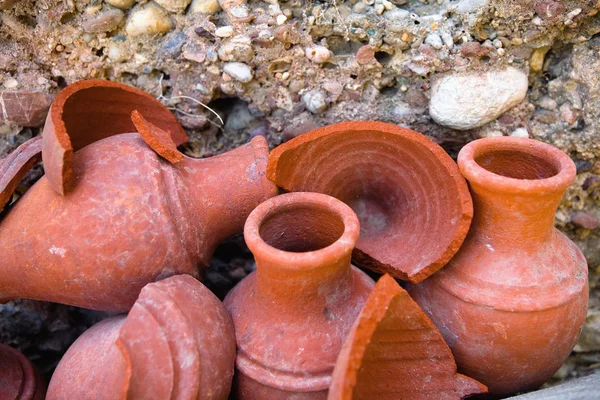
(413, 205)
(293, 313)
(394, 351)
(132, 213)
(176, 343)
(18, 379)
(511, 303)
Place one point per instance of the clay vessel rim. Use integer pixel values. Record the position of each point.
(476, 174)
(342, 246)
(27, 372)
(58, 105)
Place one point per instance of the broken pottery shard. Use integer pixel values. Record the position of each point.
(414, 206)
(24, 108)
(394, 351)
(18, 379)
(159, 140)
(14, 167)
(176, 343)
(88, 111)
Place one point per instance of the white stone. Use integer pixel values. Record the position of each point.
(224, 31)
(173, 5)
(520, 132)
(208, 7)
(318, 54)
(315, 101)
(122, 4)
(469, 6)
(396, 14)
(148, 19)
(434, 41)
(238, 71)
(448, 41)
(467, 101)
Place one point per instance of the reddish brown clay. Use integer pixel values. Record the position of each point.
(88, 111)
(394, 351)
(511, 303)
(14, 167)
(131, 219)
(292, 315)
(18, 379)
(413, 205)
(176, 343)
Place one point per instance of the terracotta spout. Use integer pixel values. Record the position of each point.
(413, 205)
(132, 218)
(292, 315)
(18, 379)
(176, 343)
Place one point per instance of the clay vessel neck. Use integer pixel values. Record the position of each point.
(302, 244)
(516, 186)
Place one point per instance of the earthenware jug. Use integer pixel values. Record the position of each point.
(122, 211)
(394, 351)
(413, 205)
(293, 313)
(176, 343)
(512, 302)
(18, 379)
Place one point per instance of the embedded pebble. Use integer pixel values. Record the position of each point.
(23, 108)
(237, 49)
(585, 220)
(318, 54)
(448, 41)
(148, 19)
(365, 55)
(520, 132)
(104, 22)
(224, 31)
(434, 41)
(122, 4)
(238, 71)
(469, 6)
(174, 5)
(208, 7)
(467, 101)
(315, 101)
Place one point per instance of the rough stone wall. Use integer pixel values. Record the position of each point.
(453, 70)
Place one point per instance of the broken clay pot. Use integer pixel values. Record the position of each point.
(413, 205)
(176, 343)
(511, 303)
(139, 211)
(18, 379)
(293, 313)
(394, 351)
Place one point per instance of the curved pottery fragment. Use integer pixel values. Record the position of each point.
(18, 379)
(516, 293)
(88, 111)
(132, 218)
(14, 167)
(176, 343)
(413, 205)
(293, 313)
(394, 351)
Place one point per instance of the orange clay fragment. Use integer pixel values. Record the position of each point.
(158, 139)
(14, 167)
(88, 111)
(394, 351)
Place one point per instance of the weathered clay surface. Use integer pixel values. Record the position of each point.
(394, 350)
(150, 219)
(177, 342)
(512, 302)
(414, 206)
(15, 165)
(293, 313)
(43, 47)
(18, 379)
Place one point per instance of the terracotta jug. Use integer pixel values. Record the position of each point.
(18, 379)
(128, 216)
(413, 205)
(394, 351)
(293, 313)
(176, 343)
(511, 303)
